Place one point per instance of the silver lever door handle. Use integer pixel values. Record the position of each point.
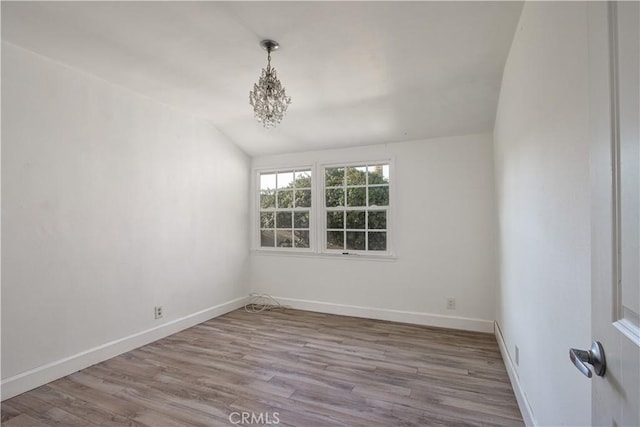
(594, 357)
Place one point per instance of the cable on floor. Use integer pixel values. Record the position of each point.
(262, 302)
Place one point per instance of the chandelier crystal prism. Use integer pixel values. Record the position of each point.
(268, 97)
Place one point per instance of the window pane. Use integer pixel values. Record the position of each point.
(334, 177)
(379, 196)
(267, 181)
(357, 175)
(267, 220)
(267, 200)
(303, 179)
(266, 238)
(355, 219)
(285, 207)
(334, 197)
(378, 174)
(301, 220)
(356, 196)
(283, 220)
(303, 198)
(355, 240)
(301, 238)
(284, 238)
(377, 220)
(285, 199)
(335, 240)
(377, 241)
(285, 179)
(335, 219)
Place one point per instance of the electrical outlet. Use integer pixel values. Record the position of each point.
(158, 312)
(451, 303)
(517, 356)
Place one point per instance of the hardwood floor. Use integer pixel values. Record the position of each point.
(293, 367)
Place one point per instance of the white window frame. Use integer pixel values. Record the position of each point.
(257, 210)
(322, 210)
(317, 214)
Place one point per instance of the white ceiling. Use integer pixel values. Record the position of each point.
(358, 73)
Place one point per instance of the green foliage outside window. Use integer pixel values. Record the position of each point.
(285, 199)
(356, 198)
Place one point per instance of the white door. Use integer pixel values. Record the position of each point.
(614, 52)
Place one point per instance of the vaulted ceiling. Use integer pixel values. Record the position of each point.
(359, 73)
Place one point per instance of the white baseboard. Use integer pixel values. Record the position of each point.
(452, 322)
(521, 397)
(41, 375)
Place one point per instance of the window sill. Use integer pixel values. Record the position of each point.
(349, 257)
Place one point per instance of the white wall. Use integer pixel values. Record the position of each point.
(444, 240)
(112, 204)
(542, 185)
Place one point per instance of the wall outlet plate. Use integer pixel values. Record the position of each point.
(158, 312)
(451, 303)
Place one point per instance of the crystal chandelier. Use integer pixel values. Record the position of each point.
(268, 98)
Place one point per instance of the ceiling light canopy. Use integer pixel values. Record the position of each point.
(268, 97)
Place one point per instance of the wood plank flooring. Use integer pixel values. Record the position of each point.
(296, 367)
